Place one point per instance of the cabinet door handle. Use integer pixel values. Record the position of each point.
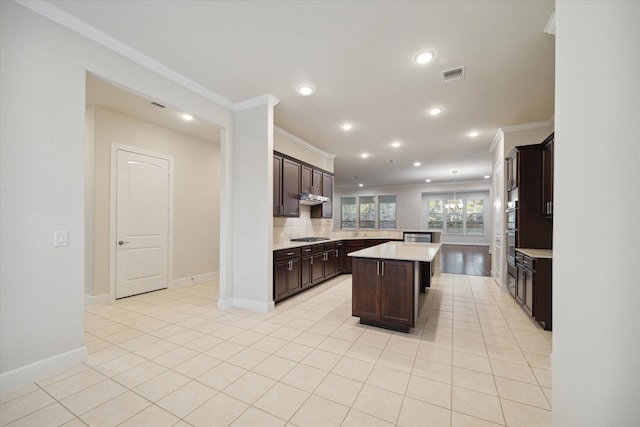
(377, 268)
(337, 256)
(311, 260)
(382, 268)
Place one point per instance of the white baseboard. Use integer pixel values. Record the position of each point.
(42, 369)
(260, 307)
(195, 279)
(96, 299)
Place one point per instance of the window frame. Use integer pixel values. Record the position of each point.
(376, 211)
(444, 200)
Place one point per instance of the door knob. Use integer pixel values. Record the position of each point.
(122, 242)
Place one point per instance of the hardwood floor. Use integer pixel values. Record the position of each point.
(465, 259)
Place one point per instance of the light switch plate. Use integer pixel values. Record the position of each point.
(60, 238)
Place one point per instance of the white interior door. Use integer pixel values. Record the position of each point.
(142, 223)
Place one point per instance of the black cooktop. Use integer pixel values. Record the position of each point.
(309, 239)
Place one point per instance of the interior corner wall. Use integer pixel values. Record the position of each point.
(196, 207)
(42, 184)
(89, 199)
(596, 343)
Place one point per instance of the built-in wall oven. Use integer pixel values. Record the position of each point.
(512, 231)
(512, 238)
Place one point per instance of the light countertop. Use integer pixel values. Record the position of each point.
(290, 245)
(536, 253)
(400, 250)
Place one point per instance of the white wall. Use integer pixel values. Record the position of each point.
(410, 209)
(596, 287)
(196, 207)
(42, 184)
(499, 242)
(291, 145)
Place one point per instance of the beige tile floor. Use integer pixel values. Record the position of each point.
(172, 358)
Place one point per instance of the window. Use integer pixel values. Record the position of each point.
(387, 212)
(368, 212)
(435, 215)
(348, 212)
(367, 208)
(475, 216)
(456, 216)
(453, 212)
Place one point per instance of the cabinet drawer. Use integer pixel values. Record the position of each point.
(329, 246)
(528, 263)
(519, 257)
(318, 248)
(306, 250)
(286, 254)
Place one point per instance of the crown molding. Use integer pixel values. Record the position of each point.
(267, 99)
(550, 28)
(61, 17)
(496, 139)
(302, 142)
(527, 126)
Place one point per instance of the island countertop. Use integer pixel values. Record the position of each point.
(405, 251)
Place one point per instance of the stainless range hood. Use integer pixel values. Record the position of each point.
(312, 199)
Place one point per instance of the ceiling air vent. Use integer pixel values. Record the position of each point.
(453, 74)
(155, 104)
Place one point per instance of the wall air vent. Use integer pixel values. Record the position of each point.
(155, 104)
(453, 74)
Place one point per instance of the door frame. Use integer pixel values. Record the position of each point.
(115, 147)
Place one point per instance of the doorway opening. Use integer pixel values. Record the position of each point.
(116, 117)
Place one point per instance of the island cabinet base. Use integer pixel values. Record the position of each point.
(384, 293)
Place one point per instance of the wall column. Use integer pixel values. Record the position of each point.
(252, 207)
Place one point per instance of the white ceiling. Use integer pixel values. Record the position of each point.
(359, 56)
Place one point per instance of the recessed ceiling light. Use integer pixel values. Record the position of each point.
(487, 177)
(306, 89)
(396, 144)
(360, 185)
(474, 133)
(364, 155)
(435, 111)
(427, 180)
(416, 164)
(424, 57)
(346, 126)
(187, 117)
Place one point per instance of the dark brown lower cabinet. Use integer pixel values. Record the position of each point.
(340, 255)
(533, 287)
(352, 246)
(286, 278)
(383, 292)
(300, 268)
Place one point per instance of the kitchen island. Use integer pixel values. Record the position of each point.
(386, 282)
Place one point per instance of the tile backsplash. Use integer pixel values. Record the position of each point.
(285, 229)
